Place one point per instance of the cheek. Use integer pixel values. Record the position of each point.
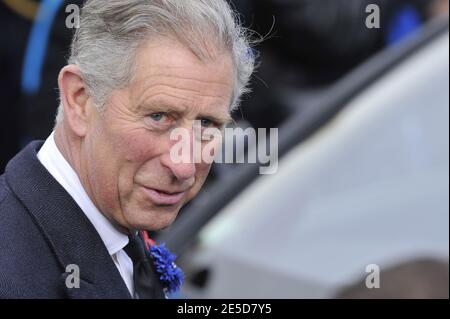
(140, 152)
(140, 146)
(136, 151)
(119, 156)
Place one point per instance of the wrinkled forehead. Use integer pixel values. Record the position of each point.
(168, 66)
(167, 53)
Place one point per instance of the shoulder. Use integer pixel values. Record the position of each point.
(13, 214)
(3, 189)
(27, 263)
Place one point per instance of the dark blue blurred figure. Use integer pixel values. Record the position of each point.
(314, 43)
(35, 42)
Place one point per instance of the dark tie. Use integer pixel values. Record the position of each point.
(146, 283)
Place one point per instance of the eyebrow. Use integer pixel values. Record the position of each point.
(163, 106)
(222, 119)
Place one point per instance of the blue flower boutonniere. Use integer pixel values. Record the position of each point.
(170, 275)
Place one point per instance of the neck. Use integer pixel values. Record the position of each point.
(69, 148)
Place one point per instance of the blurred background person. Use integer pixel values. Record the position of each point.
(311, 44)
(34, 47)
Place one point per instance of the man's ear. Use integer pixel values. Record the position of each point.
(75, 99)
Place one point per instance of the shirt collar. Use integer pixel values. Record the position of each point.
(52, 159)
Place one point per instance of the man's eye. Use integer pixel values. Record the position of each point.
(158, 120)
(157, 116)
(206, 122)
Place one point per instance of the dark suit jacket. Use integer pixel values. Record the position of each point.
(42, 231)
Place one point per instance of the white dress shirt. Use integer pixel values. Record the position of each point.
(52, 159)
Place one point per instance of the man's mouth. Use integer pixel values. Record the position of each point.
(164, 197)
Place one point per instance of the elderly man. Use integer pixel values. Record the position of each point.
(74, 205)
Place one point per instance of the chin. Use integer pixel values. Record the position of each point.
(154, 220)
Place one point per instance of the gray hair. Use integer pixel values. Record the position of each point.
(104, 46)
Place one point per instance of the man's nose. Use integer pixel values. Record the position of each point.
(183, 168)
(182, 171)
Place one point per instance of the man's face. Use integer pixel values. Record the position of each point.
(126, 153)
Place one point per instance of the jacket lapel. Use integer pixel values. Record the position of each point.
(71, 235)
